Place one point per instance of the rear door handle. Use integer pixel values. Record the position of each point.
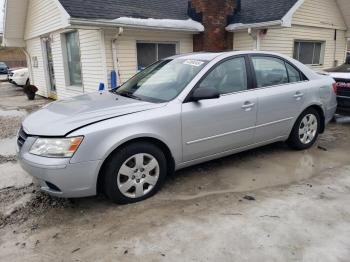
(248, 105)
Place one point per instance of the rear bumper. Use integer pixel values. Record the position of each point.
(59, 178)
(329, 114)
(343, 105)
(343, 111)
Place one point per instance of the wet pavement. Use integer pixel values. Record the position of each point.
(267, 204)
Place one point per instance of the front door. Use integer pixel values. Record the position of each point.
(212, 127)
(50, 69)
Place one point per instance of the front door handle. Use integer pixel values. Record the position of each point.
(247, 106)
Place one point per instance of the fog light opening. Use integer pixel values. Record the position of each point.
(52, 187)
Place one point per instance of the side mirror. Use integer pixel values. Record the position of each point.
(204, 94)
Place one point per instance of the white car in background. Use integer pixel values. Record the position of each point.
(19, 77)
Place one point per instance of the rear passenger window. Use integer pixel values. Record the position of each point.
(270, 71)
(294, 75)
(228, 77)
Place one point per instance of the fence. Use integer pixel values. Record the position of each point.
(13, 57)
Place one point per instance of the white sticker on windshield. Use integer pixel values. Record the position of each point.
(193, 62)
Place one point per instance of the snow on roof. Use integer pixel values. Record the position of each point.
(188, 24)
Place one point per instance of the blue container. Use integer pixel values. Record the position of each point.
(113, 79)
(101, 87)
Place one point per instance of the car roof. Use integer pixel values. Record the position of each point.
(209, 56)
(206, 56)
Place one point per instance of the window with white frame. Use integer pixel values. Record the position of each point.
(309, 52)
(148, 53)
(73, 59)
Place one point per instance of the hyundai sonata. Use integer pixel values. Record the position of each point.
(178, 112)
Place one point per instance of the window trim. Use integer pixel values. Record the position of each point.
(322, 51)
(68, 84)
(176, 43)
(302, 75)
(250, 83)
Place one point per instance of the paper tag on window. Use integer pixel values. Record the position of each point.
(193, 62)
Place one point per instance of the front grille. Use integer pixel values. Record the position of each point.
(22, 137)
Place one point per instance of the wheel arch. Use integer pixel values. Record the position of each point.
(155, 141)
(321, 113)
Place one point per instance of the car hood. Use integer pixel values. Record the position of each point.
(63, 116)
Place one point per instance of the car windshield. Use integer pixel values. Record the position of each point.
(163, 81)
(3, 65)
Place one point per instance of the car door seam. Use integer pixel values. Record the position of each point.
(238, 131)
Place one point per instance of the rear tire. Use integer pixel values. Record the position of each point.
(305, 131)
(134, 173)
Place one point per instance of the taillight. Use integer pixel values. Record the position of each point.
(335, 87)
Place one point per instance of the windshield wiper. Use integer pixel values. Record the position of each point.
(129, 95)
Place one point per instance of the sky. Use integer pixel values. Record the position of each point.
(1, 14)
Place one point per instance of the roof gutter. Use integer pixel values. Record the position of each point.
(237, 27)
(112, 24)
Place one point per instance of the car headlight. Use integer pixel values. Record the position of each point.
(56, 147)
(22, 74)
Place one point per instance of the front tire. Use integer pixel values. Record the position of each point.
(134, 173)
(305, 131)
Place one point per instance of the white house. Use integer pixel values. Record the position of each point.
(312, 31)
(73, 45)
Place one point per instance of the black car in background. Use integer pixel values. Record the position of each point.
(3, 68)
(341, 75)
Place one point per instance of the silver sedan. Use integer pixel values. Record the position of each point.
(178, 112)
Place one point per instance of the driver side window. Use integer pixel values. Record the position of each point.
(228, 77)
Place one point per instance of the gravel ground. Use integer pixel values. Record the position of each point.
(268, 204)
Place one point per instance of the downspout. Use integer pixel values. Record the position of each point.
(255, 37)
(258, 40)
(335, 62)
(116, 66)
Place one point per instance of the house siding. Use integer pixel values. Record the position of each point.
(282, 41)
(320, 13)
(315, 20)
(43, 16)
(14, 23)
(38, 79)
(93, 71)
(96, 57)
(126, 47)
(243, 41)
